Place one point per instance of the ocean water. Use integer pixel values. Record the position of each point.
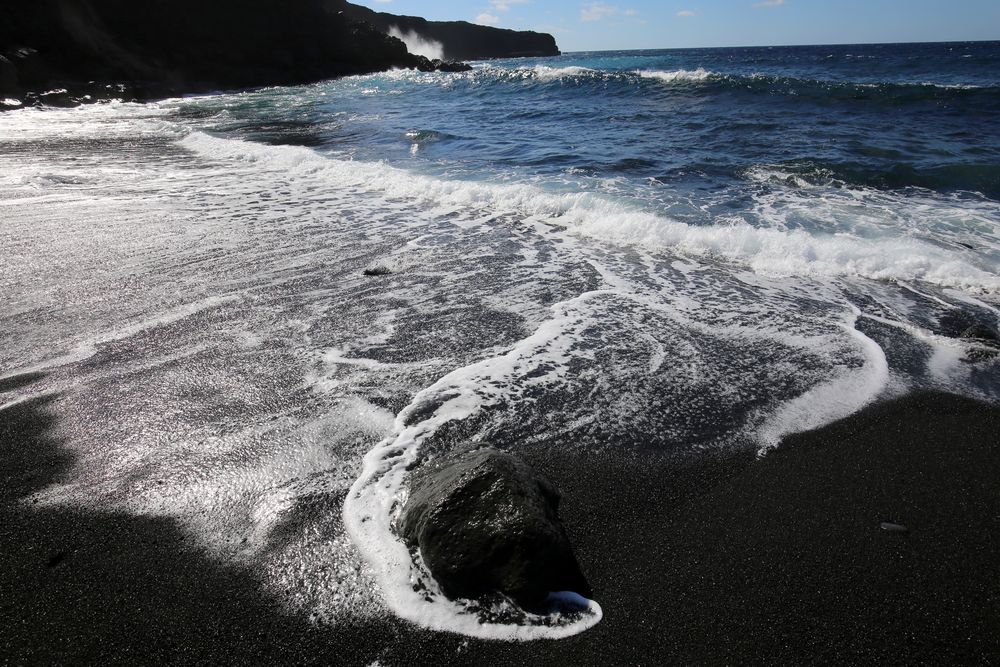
(652, 253)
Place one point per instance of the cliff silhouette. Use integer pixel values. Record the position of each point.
(64, 52)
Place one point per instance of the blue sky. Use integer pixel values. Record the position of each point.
(583, 25)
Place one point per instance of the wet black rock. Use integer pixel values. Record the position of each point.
(437, 65)
(451, 66)
(484, 521)
(954, 322)
(426, 65)
(376, 271)
(892, 527)
(981, 333)
(986, 341)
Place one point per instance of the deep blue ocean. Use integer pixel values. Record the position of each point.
(886, 116)
(251, 304)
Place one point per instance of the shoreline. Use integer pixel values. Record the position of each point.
(723, 558)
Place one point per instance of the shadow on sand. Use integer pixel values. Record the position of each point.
(728, 559)
(81, 587)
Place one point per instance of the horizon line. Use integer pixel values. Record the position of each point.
(781, 46)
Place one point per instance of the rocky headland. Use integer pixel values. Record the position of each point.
(67, 52)
(460, 40)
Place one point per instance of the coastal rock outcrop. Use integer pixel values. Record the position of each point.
(77, 51)
(484, 521)
(461, 40)
(438, 65)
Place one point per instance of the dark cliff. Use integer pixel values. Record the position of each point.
(155, 48)
(162, 47)
(462, 40)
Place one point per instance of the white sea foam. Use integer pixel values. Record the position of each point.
(375, 499)
(768, 250)
(677, 76)
(417, 44)
(840, 397)
(87, 348)
(546, 73)
(949, 86)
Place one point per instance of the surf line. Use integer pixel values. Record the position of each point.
(833, 400)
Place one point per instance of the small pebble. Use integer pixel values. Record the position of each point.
(56, 559)
(894, 527)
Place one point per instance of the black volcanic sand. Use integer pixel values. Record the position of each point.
(724, 559)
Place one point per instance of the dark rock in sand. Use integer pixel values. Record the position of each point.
(890, 527)
(980, 355)
(967, 326)
(954, 322)
(988, 340)
(56, 560)
(981, 332)
(484, 521)
(376, 271)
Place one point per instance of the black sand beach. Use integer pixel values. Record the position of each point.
(728, 559)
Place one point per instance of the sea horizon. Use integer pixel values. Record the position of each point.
(792, 45)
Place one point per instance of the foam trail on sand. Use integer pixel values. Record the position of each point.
(839, 398)
(377, 496)
(88, 348)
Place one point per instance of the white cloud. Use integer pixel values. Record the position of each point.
(505, 5)
(487, 19)
(596, 11)
(769, 3)
(630, 12)
(685, 13)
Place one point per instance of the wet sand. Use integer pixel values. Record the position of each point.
(784, 560)
(724, 559)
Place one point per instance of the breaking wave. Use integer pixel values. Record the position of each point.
(767, 250)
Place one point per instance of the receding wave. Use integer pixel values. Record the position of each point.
(767, 250)
(676, 76)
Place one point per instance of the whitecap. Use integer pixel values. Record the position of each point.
(677, 76)
(770, 250)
